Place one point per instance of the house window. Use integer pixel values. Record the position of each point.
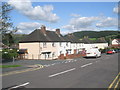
(73, 45)
(48, 55)
(44, 45)
(66, 51)
(60, 44)
(53, 54)
(60, 52)
(53, 44)
(67, 44)
(80, 45)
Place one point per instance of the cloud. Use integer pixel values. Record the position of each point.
(27, 27)
(116, 10)
(19, 31)
(82, 22)
(66, 32)
(79, 23)
(75, 15)
(107, 22)
(69, 27)
(93, 23)
(43, 13)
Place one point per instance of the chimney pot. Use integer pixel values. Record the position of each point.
(58, 31)
(43, 29)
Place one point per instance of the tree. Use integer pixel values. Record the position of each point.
(7, 28)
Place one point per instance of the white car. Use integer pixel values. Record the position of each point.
(113, 51)
(93, 52)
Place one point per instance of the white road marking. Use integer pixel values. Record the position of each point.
(86, 65)
(53, 64)
(48, 65)
(98, 61)
(66, 62)
(19, 85)
(62, 72)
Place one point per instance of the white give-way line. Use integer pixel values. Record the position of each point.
(19, 85)
(86, 65)
(62, 72)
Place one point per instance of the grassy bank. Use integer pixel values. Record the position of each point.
(9, 66)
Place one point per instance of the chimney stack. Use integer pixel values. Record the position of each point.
(69, 34)
(43, 29)
(58, 31)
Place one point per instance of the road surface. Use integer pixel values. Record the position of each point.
(77, 73)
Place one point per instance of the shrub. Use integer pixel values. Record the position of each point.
(9, 54)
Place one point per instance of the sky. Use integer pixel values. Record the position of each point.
(67, 16)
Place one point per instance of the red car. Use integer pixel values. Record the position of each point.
(110, 52)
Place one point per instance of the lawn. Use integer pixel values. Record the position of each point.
(9, 66)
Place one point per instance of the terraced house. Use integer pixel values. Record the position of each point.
(100, 43)
(48, 45)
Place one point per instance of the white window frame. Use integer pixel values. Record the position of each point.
(44, 45)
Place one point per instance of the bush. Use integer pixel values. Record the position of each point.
(103, 50)
(9, 54)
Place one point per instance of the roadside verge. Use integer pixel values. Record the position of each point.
(35, 67)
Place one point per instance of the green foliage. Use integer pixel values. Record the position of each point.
(103, 50)
(9, 54)
(96, 34)
(7, 28)
(93, 39)
(8, 39)
(6, 24)
(18, 37)
(9, 66)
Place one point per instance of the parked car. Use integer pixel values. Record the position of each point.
(110, 51)
(113, 51)
(117, 50)
(93, 52)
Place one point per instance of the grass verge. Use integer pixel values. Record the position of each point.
(9, 66)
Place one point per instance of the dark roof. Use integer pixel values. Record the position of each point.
(38, 36)
(86, 41)
(52, 36)
(72, 38)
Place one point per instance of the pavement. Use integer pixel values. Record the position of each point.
(77, 73)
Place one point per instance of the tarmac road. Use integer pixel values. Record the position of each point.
(76, 73)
